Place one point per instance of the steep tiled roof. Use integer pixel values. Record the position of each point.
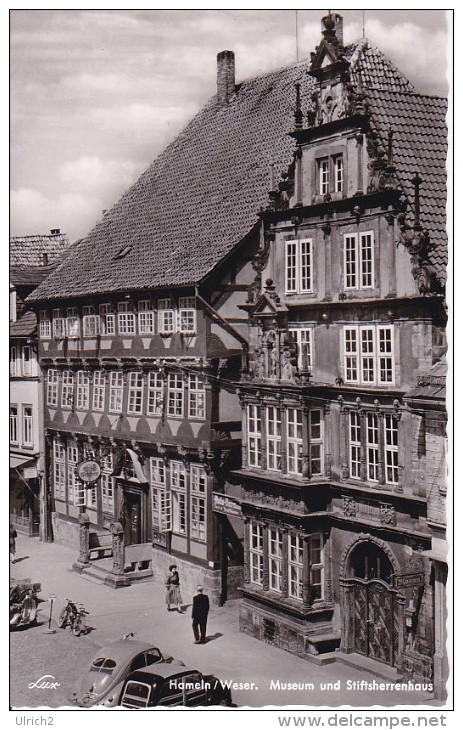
(200, 197)
(25, 326)
(30, 250)
(29, 275)
(419, 145)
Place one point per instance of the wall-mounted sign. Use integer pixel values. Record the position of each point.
(409, 580)
(30, 472)
(88, 471)
(225, 505)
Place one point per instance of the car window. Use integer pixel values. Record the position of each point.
(136, 694)
(103, 665)
(195, 692)
(169, 695)
(138, 662)
(153, 656)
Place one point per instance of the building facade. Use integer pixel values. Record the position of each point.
(242, 352)
(348, 318)
(32, 258)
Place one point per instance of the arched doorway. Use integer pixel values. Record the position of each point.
(373, 606)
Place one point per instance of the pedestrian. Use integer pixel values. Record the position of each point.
(199, 614)
(13, 536)
(173, 595)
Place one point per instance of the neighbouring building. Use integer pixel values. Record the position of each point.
(32, 258)
(241, 348)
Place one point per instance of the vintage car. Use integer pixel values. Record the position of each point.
(168, 686)
(102, 681)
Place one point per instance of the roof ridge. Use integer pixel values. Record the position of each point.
(406, 93)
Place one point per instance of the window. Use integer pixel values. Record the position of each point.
(158, 486)
(391, 435)
(372, 446)
(196, 397)
(44, 325)
(187, 315)
(166, 320)
(135, 403)
(355, 437)
(67, 389)
(338, 174)
(59, 324)
(27, 426)
(91, 322)
(26, 360)
(273, 438)
(145, 318)
(107, 320)
(175, 395)
(316, 441)
(72, 322)
(14, 424)
(83, 391)
(178, 489)
(107, 484)
(99, 386)
(52, 387)
(116, 387)
(275, 558)
(324, 176)
(369, 354)
(316, 559)
(59, 473)
(14, 361)
(358, 260)
(254, 430)
(303, 337)
(76, 489)
(294, 440)
(125, 318)
(295, 563)
(256, 552)
(299, 266)
(155, 394)
(198, 483)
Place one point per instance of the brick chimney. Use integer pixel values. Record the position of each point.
(225, 76)
(337, 20)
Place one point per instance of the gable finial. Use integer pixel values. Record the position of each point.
(298, 109)
(416, 182)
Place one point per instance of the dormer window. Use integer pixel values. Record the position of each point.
(330, 174)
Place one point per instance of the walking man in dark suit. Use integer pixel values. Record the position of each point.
(199, 614)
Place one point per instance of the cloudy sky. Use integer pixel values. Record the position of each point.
(95, 95)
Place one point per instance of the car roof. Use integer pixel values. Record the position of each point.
(161, 670)
(122, 649)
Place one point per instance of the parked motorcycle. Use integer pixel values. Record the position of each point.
(23, 603)
(73, 615)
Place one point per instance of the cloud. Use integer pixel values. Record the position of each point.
(95, 173)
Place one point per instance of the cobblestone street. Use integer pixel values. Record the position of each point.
(229, 654)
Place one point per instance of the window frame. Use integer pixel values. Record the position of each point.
(99, 390)
(52, 387)
(14, 423)
(304, 337)
(116, 391)
(82, 402)
(67, 389)
(381, 354)
(90, 321)
(135, 393)
(166, 317)
(145, 317)
(175, 395)
(359, 261)
(126, 320)
(256, 553)
(196, 397)
(44, 325)
(254, 437)
(275, 558)
(299, 266)
(155, 393)
(107, 319)
(295, 565)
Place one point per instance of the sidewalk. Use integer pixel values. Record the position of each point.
(229, 654)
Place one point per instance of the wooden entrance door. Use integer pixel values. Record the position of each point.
(375, 621)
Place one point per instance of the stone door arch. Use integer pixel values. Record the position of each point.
(372, 609)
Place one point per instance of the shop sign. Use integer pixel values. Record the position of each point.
(409, 580)
(88, 471)
(225, 505)
(30, 472)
